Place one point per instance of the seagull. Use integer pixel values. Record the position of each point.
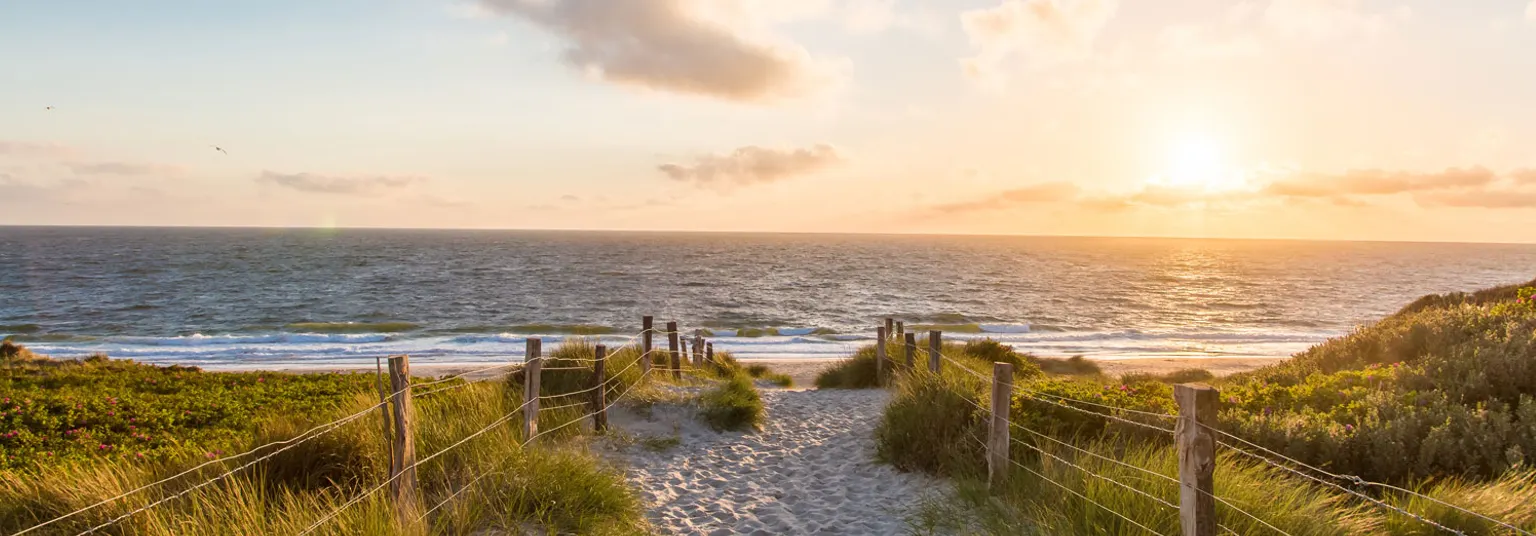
(220, 149)
(47, 107)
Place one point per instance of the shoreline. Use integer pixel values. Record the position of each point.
(804, 370)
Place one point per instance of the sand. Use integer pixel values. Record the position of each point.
(1220, 366)
(811, 470)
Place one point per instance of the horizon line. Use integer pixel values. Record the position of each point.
(815, 233)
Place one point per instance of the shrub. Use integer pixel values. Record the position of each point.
(733, 405)
(1177, 376)
(858, 371)
(1437, 391)
(1072, 366)
(933, 425)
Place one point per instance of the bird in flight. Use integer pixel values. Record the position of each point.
(47, 107)
(220, 149)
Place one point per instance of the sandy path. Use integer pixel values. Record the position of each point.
(810, 471)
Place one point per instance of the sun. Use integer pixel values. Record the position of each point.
(1197, 162)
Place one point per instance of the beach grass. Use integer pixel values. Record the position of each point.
(1439, 397)
(554, 485)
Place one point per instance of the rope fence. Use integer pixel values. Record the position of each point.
(397, 407)
(1196, 434)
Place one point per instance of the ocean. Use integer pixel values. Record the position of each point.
(294, 298)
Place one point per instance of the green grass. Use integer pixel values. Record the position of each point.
(1440, 397)
(733, 405)
(762, 372)
(54, 412)
(551, 486)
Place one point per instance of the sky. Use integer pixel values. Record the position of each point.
(1314, 119)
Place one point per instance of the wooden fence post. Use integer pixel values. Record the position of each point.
(935, 349)
(1197, 457)
(911, 351)
(674, 357)
(533, 362)
(881, 335)
(998, 439)
(384, 390)
(901, 330)
(698, 350)
(600, 388)
(682, 350)
(709, 352)
(402, 463)
(646, 325)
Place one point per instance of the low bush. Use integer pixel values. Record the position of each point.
(858, 371)
(733, 405)
(1175, 377)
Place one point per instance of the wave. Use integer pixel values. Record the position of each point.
(20, 328)
(766, 332)
(198, 339)
(352, 327)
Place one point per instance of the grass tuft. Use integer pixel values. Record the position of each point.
(733, 405)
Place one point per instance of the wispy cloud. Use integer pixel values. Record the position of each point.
(753, 165)
(1045, 31)
(25, 149)
(1378, 182)
(122, 168)
(1049, 192)
(1478, 199)
(326, 184)
(674, 46)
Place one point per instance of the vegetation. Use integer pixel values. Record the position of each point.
(1437, 398)
(554, 487)
(733, 405)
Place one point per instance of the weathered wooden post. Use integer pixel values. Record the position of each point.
(600, 388)
(880, 339)
(673, 356)
(935, 350)
(682, 350)
(533, 362)
(378, 367)
(998, 439)
(890, 327)
(402, 463)
(698, 350)
(646, 325)
(709, 352)
(1197, 457)
(911, 351)
(901, 330)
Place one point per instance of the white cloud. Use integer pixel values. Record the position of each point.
(1043, 31)
(714, 49)
(1195, 42)
(329, 184)
(1530, 11)
(753, 165)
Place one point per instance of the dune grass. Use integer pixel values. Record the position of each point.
(553, 485)
(1436, 398)
(733, 405)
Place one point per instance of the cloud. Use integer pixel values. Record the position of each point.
(675, 46)
(1530, 11)
(1048, 192)
(752, 165)
(1377, 182)
(1478, 199)
(1046, 31)
(121, 168)
(874, 16)
(570, 198)
(324, 184)
(23, 149)
(1329, 19)
(1523, 176)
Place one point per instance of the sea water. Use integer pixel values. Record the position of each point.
(326, 298)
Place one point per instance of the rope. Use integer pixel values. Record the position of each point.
(110, 522)
(481, 476)
(1033, 394)
(1360, 481)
